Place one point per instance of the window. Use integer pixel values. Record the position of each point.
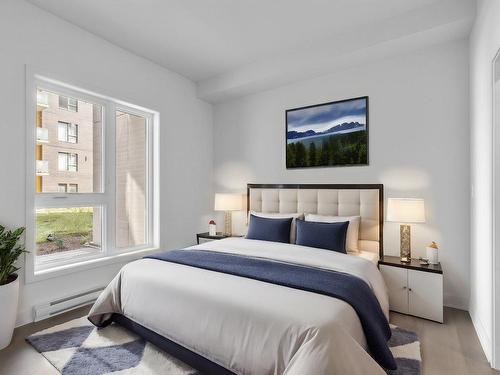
(67, 161)
(80, 134)
(131, 179)
(67, 188)
(67, 132)
(70, 104)
(69, 229)
(110, 206)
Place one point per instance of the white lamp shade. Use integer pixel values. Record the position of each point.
(228, 202)
(406, 210)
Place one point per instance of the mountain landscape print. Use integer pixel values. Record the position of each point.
(331, 134)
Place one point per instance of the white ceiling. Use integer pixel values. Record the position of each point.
(209, 41)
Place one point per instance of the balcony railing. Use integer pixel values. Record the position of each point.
(42, 135)
(42, 168)
(42, 100)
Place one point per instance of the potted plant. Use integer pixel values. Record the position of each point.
(10, 251)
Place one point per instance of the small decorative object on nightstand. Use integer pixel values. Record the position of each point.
(212, 228)
(228, 203)
(414, 288)
(432, 253)
(405, 211)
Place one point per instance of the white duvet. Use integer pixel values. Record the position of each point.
(245, 325)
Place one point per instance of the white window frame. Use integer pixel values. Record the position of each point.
(37, 269)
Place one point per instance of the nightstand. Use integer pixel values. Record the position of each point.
(414, 289)
(205, 237)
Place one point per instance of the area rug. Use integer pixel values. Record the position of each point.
(78, 348)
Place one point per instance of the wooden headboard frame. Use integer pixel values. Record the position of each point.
(378, 187)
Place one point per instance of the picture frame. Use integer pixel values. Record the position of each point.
(332, 134)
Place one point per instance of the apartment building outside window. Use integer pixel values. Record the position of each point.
(68, 161)
(97, 154)
(67, 188)
(70, 104)
(67, 132)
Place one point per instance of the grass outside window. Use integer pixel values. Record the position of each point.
(65, 229)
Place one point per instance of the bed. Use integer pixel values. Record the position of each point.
(222, 323)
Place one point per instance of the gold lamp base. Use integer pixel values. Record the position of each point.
(227, 223)
(405, 243)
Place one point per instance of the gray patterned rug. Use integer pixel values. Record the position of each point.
(78, 348)
(405, 348)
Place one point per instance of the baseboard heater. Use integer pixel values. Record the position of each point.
(61, 305)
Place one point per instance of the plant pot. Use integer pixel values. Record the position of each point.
(9, 295)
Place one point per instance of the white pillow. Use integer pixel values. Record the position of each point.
(352, 230)
(274, 215)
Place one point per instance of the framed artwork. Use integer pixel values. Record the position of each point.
(328, 135)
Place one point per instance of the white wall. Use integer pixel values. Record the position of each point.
(31, 36)
(419, 145)
(496, 229)
(484, 44)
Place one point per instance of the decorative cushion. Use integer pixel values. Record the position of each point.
(352, 230)
(266, 229)
(329, 236)
(275, 215)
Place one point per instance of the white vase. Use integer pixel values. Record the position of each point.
(432, 255)
(9, 295)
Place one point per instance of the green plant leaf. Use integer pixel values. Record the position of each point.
(10, 251)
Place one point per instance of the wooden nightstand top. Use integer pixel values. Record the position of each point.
(414, 265)
(218, 236)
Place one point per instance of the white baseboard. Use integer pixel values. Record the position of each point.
(457, 305)
(456, 302)
(24, 317)
(482, 334)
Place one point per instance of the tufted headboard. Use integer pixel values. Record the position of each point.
(364, 200)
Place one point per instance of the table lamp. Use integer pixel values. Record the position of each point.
(228, 203)
(405, 211)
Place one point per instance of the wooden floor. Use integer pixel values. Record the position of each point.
(450, 348)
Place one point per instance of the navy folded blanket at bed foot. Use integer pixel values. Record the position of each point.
(345, 287)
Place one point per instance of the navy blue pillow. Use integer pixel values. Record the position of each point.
(266, 229)
(330, 236)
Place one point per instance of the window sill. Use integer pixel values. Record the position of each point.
(86, 264)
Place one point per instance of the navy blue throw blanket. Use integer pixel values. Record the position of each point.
(335, 284)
